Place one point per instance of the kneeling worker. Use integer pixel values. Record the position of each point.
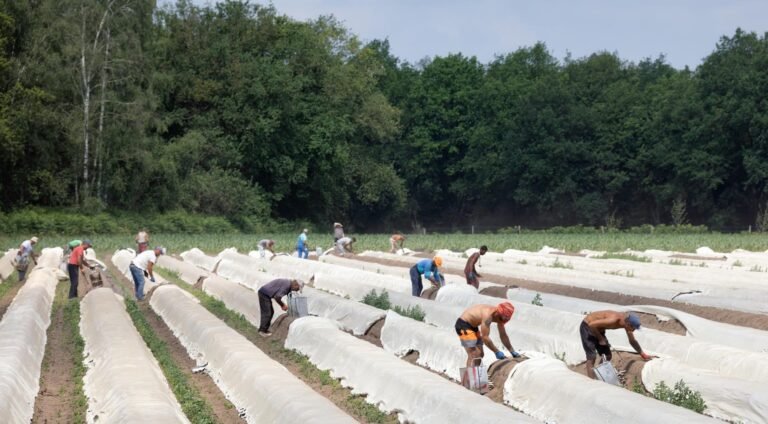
(275, 289)
(593, 339)
(474, 330)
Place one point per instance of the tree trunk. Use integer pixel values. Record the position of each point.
(100, 134)
(86, 93)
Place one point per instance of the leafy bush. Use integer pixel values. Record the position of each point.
(414, 312)
(625, 256)
(537, 300)
(680, 395)
(380, 301)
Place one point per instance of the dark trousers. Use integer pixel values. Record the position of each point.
(74, 273)
(416, 285)
(265, 304)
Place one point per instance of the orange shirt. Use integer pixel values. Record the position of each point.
(77, 253)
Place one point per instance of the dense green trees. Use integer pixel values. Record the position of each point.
(236, 110)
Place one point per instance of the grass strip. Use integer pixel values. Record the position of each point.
(355, 405)
(192, 403)
(72, 327)
(8, 284)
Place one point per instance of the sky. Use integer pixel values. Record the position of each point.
(684, 31)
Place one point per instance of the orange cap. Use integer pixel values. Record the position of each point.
(505, 310)
(438, 260)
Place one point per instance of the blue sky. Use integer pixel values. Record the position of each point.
(685, 31)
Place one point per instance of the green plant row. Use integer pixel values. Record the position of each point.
(680, 395)
(381, 301)
(192, 403)
(72, 326)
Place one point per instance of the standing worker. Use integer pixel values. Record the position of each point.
(474, 329)
(275, 289)
(338, 232)
(142, 265)
(72, 245)
(428, 268)
(469, 269)
(25, 253)
(142, 240)
(76, 264)
(301, 245)
(593, 339)
(266, 244)
(344, 245)
(394, 241)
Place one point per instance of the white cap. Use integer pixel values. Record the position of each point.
(306, 230)
(33, 239)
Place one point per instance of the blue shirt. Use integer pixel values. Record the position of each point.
(302, 239)
(426, 267)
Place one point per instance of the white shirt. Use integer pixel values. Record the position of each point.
(144, 258)
(344, 241)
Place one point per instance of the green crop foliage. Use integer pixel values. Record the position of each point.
(680, 395)
(625, 256)
(414, 312)
(537, 300)
(378, 300)
(72, 326)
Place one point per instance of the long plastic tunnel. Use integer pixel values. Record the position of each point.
(250, 379)
(392, 384)
(124, 383)
(23, 337)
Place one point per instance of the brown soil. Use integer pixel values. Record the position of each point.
(744, 319)
(497, 291)
(430, 293)
(56, 400)
(498, 373)
(698, 258)
(373, 335)
(7, 298)
(628, 365)
(222, 409)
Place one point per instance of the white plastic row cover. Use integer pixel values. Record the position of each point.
(250, 379)
(122, 260)
(188, 272)
(418, 395)
(6, 268)
(577, 399)
(198, 258)
(22, 341)
(402, 271)
(124, 383)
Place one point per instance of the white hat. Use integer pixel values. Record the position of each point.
(306, 230)
(33, 239)
(337, 224)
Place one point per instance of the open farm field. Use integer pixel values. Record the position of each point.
(612, 242)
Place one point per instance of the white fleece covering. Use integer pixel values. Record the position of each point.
(187, 272)
(124, 383)
(250, 379)
(417, 395)
(22, 340)
(540, 387)
(199, 259)
(6, 267)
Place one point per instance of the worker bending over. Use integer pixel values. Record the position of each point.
(266, 244)
(429, 269)
(593, 339)
(344, 245)
(474, 329)
(395, 241)
(275, 289)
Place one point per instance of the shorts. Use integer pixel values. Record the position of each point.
(472, 279)
(590, 343)
(469, 335)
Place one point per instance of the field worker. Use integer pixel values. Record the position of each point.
(469, 269)
(302, 248)
(142, 265)
(75, 265)
(266, 244)
(593, 335)
(338, 232)
(344, 245)
(394, 241)
(25, 253)
(142, 240)
(428, 268)
(275, 289)
(72, 245)
(474, 329)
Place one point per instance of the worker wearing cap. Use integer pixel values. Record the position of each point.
(264, 245)
(142, 265)
(76, 264)
(429, 269)
(142, 240)
(25, 253)
(302, 248)
(275, 289)
(593, 339)
(474, 329)
(338, 232)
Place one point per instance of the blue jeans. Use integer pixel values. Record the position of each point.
(303, 251)
(416, 286)
(138, 281)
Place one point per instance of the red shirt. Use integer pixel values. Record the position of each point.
(77, 253)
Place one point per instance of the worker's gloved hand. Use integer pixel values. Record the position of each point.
(152, 279)
(284, 307)
(500, 355)
(515, 354)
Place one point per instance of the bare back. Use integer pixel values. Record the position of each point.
(475, 315)
(605, 320)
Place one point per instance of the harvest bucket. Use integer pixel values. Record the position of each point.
(607, 373)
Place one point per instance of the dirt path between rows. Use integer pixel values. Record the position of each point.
(57, 399)
(10, 289)
(744, 319)
(224, 411)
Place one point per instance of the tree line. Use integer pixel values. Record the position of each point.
(238, 111)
